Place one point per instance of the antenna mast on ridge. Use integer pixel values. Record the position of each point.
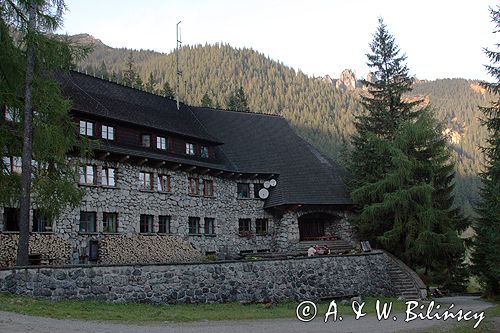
(179, 72)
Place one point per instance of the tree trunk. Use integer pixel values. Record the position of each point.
(23, 245)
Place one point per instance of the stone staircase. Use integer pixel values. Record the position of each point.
(406, 282)
(336, 246)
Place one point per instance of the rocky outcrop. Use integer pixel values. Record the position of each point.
(347, 81)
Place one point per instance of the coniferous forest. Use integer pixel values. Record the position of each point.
(322, 114)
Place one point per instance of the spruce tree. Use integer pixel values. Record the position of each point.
(129, 75)
(401, 172)
(486, 255)
(167, 90)
(238, 101)
(150, 84)
(206, 101)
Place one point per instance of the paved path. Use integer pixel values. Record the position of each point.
(14, 323)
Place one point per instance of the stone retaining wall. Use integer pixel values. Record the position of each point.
(215, 282)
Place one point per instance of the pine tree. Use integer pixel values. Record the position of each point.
(206, 101)
(486, 255)
(238, 101)
(47, 178)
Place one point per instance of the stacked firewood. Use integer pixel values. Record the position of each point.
(48, 248)
(144, 249)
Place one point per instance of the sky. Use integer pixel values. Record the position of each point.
(441, 38)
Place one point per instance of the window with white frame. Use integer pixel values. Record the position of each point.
(204, 151)
(12, 164)
(110, 222)
(86, 128)
(189, 149)
(13, 114)
(163, 224)
(108, 132)
(163, 183)
(146, 180)
(161, 143)
(146, 223)
(209, 226)
(88, 174)
(88, 222)
(108, 176)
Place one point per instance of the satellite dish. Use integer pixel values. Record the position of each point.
(272, 182)
(267, 184)
(263, 193)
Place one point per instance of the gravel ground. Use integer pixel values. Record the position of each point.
(13, 323)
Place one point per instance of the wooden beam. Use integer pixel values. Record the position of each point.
(204, 172)
(124, 158)
(177, 166)
(219, 173)
(141, 162)
(103, 155)
(230, 175)
(255, 175)
(191, 169)
(159, 164)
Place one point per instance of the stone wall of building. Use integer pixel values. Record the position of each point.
(128, 200)
(215, 282)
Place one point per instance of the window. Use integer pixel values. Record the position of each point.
(86, 128)
(204, 151)
(88, 175)
(41, 222)
(146, 180)
(88, 222)
(243, 190)
(209, 226)
(161, 143)
(146, 223)
(163, 224)
(13, 114)
(11, 219)
(189, 149)
(108, 132)
(146, 140)
(208, 188)
(110, 222)
(163, 183)
(12, 164)
(261, 226)
(194, 186)
(194, 225)
(108, 176)
(244, 226)
(256, 188)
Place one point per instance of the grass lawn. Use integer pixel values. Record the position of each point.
(141, 312)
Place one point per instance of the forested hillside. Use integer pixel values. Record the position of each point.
(319, 112)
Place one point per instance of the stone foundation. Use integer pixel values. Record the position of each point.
(216, 282)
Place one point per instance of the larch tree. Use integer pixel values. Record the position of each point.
(486, 255)
(47, 178)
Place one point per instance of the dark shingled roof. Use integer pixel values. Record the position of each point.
(251, 142)
(262, 142)
(107, 99)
